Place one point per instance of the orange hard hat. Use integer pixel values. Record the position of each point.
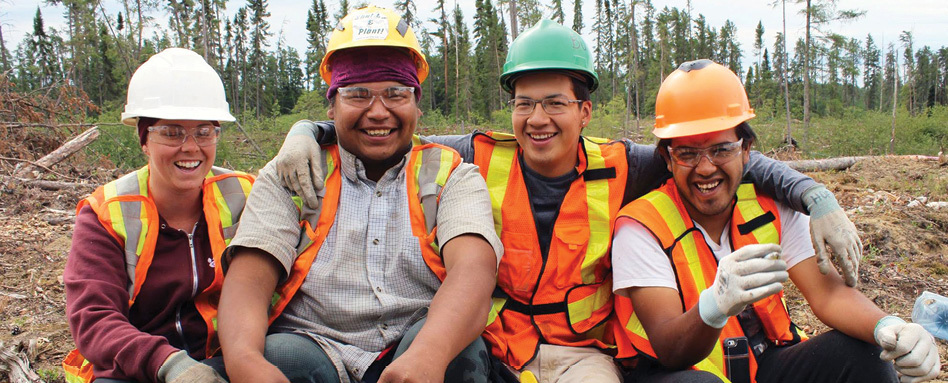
(700, 97)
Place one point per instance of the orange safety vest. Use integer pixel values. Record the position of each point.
(428, 169)
(566, 298)
(755, 219)
(125, 209)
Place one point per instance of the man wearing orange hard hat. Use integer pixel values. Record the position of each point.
(698, 265)
(389, 278)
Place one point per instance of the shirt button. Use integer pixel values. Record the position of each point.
(384, 326)
(378, 288)
(378, 193)
(375, 241)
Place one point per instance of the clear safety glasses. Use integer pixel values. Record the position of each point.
(718, 154)
(204, 135)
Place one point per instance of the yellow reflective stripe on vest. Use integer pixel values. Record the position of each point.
(706, 365)
(225, 214)
(431, 173)
(583, 308)
(748, 206)
(666, 207)
(115, 211)
(635, 326)
(597, 203)
(496, 305)
(498, 171)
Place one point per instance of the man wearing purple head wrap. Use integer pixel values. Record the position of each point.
(368, 285)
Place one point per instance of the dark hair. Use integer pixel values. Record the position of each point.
(580, 88)
(578, 81)
(743, 130)
(143, 124)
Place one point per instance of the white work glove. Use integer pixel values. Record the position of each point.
(830, 226)
(910, 347)
(299, 163)
(180, 368)
(744, 277)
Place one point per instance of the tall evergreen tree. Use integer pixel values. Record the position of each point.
(557, 14)
(343, 10)
(39, 65)
(317, 31)
(578, 16)
(908, 58)
(259, 34)
(871, 72)
(4, 54)
(488, 35)
(462, 67)
(408, 11)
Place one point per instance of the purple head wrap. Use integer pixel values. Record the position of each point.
(372, 64)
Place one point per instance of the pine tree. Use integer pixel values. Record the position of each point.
(578, 16)
(317, 31)
(488, 35)
(557, 14)
(42, 67)
(908, 57)
(259, 33)
(408, 10)
(440, 65)
(343, 10)
(871, 76)
(4, 54)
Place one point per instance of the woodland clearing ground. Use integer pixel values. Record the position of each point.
(905, 250)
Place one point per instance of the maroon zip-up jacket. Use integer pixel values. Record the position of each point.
(132, 344)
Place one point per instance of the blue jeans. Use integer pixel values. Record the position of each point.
(303, 361)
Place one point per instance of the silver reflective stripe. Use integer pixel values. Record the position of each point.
(428, 187)
(131, 214)
(230, 232)
(132, 219)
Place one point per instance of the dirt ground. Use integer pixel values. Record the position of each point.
(904, 251)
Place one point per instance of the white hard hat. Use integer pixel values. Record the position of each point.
(176, 84)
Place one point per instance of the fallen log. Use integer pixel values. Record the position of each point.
(47, 185)
(61, 153)
(843, 163)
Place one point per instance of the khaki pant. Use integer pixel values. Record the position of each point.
(563, 364)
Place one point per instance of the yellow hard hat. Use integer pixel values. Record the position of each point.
(373, 26)
(700, 97)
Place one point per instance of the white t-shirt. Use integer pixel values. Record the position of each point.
(638, 259)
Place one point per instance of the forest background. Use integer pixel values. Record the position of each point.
(827, 93)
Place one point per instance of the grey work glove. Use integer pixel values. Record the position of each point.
(910, 347)
(745, 276)
(830, 226)
(180, 368)
(299, 163)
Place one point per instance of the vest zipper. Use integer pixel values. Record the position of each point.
(194, 271)
(194, 284)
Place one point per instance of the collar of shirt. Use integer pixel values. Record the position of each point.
(353, 168)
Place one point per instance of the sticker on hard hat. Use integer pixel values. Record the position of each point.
(370, 26)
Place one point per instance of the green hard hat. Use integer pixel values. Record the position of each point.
(548, 46)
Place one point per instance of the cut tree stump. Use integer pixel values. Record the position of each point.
(15, 363)
(61, 153)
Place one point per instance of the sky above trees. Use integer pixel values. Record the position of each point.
(884, 19)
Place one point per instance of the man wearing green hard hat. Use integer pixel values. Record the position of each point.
(555, 195)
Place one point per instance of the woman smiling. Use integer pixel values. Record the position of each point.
(141, 282)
